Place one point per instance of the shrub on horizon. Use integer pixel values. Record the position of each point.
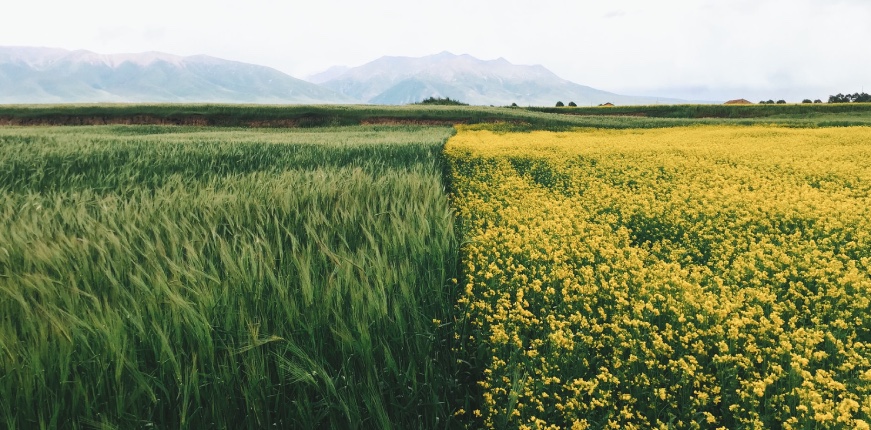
(441, 101)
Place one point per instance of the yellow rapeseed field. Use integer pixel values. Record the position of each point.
(697, 277)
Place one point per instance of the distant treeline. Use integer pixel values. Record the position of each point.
(837, 98)
(712, 111)
(850, 98)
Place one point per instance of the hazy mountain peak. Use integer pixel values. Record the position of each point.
(116, 60)
(33, 57)
(44, 75)
(326, 75)
(441, 55)
(399, 80)
(145, 58)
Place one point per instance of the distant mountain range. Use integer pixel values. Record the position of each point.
(46, 75)
(401, 80)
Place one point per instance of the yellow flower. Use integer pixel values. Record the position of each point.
(657, 263)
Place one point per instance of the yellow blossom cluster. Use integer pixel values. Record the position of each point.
(697, 277)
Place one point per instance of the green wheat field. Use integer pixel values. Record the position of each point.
(172, 277)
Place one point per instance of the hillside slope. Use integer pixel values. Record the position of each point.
(45, 75)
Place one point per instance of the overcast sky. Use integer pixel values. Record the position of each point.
(692, 49)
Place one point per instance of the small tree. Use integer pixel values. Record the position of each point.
(559, 104)
(513, 104)
(838, 98)
(781, 102)
(572, 104)
(818, 101)
(806, 101)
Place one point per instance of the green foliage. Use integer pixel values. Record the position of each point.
(447, 101)
(559, 104)
(850, 98)
(573, 104)
(175, 277)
